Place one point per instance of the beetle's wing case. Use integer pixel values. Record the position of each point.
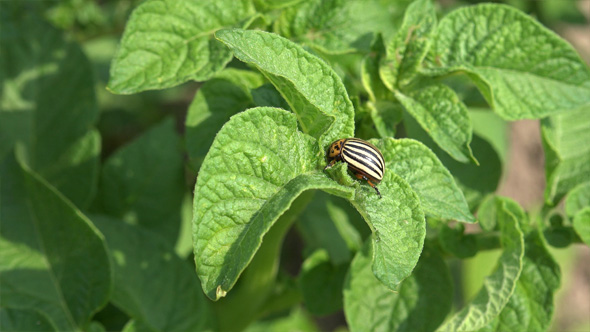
(363, 157)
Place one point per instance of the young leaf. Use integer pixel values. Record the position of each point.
(439, 195)
(216, 101)
(321, 283)
(370, 71)
(530, 308)
(443, 116)
(258, 164)
(398, 226)
(339, 26)
(582, 224)
(577, 199)
(143, 182)
(47, 103)
(148, 276)
(499, 286)
(45, 246)
(523, 69)
(312, 89)
(567, 156)
(421, 304)
(169, 42)
(408, 48)
(385, 112)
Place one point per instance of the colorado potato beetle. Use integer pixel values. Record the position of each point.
(364, 160)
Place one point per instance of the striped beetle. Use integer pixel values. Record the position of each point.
(364, 160)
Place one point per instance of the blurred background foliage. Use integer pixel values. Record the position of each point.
(97, 26)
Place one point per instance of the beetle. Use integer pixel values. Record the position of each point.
(364, 160)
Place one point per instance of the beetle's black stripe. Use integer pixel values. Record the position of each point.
(365, 147)
(363, 163)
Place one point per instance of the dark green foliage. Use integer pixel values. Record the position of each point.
(96, 224)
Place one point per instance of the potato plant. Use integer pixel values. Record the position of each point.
(183, 227)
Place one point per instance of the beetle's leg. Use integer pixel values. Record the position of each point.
(374, 187)
(330, 164)
(362, 177)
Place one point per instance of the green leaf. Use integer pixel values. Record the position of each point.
(406, 51)
(577, 199)
(24, 320)
(398, 226)
(215, 102)
(47, 103)
(258, 164)
(582, 224)
(149, 276)
(311, 88)
(530, 307)
(499, 286)
(439, 195)
(45, 250)
(143, 182)
(443, 116)
(321, 283)
(339, 26)
(567, 156)
(169, 42)
(421, 304)
(523, 69)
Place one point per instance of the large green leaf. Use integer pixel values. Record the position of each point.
(530, 308)
(439, 194)
(408, 48)
(567, 156)
(523, 69)
(151, 283)
(421, 303)
(168, 42)
(258, 164)
(398, 226)
(311, 88)
(443, 116)
(52, 259)
(499, 286)
(216, 101)
(339, 26)
(143, 182)
(47, 103)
